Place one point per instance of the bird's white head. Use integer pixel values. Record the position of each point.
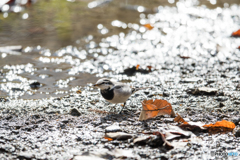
(104, 83)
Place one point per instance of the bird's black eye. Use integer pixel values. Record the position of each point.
(106, 83)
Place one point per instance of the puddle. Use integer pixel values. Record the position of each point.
(62, 40)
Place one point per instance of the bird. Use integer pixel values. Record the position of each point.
(115, 92)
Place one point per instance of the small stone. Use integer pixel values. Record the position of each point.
(78, 139)
(65, 121)
(35, 85)
(221, 104)
(221, 98)
(237, 102)
(75, 112)
(190, 80)
(166, 94)
(237, 134)
(113, 128)
(236, 120)
(25, 155)
(119, 135)
(202, 90)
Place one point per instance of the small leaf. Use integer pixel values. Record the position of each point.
(236, 34)
(184, 57)
(109, 139)
(220, 126)
(148, 26)
(137, 67)
(151, 109)
(78, 91)
(179, 119)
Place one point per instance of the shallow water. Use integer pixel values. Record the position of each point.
(57, 36)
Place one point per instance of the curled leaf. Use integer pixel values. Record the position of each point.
(151, 109)
(236, 34)
(109, 139)
(137, 67)
(179, 119)
(192, 126)
(220, 126)
(79, 91)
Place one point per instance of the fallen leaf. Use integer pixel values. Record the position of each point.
(149, 68)
(179, 144)
(184, 57)
(169, 136)
(220, 126)
(78, 91)
(137, 67)
(148, 26)
(109, 139)
(236, 34)
(158, 140)
(151, 109)
(192, 126)
(141, 140)
(179, 119)
(178, 131)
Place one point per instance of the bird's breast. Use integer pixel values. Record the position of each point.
(108, 94)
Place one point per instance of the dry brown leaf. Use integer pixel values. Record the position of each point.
(158, 141)
(149, 68)
(155, 108)
(192, 126)
(148, 26)
(220, 126)
(78, 91)
(179, 119)
(137, 67)
(236, 34)
(109, 139)
(184, 57)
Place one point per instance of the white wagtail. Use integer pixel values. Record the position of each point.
(115, 92)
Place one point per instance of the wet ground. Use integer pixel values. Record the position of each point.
(189, 46)
(55, 40)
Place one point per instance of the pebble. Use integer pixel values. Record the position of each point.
(113, 128)
(237, 134)
(75, 112)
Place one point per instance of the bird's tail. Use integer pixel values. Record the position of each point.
(137, 89)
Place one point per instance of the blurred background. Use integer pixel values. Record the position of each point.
(45, 28)
(57, 23)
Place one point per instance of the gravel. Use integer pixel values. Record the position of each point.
(201, 88)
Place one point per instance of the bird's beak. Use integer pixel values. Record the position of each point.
(95, 85)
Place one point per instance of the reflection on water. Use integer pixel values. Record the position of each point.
(62, 39)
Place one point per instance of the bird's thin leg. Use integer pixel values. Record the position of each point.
(122, 107)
